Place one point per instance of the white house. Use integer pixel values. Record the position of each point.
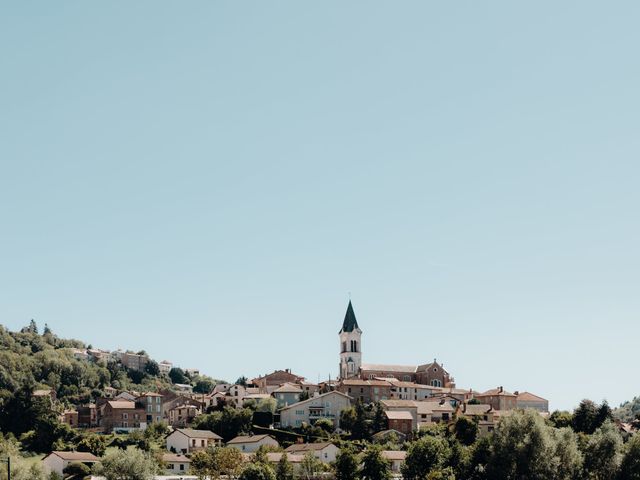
(176, 463)
(324, 451)
(251, 443)
(328, 405)
(57, 461)
(187, 440)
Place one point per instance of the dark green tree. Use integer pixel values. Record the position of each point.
(466, 430)
(284, 469)
(374, 465)
(346, 466)
(152, 368)
(630, 468)
(177, 375)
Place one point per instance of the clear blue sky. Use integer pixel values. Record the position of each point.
(208, 181)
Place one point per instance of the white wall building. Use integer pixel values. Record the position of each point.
(328, 405)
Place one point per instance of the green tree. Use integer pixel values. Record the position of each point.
(603, 453)
(569, 458)
(77, 468)
(425, 455)
(561, 419)
(346, 465)
(131, 464)
(630, 467)
(523, 448)
(96, 444)
(284, 469)
(177, 375)
(374, 465)
(257, 471)
(379, 422)
(466, 430)
(152, 368)
(310, 466)
(589, 416)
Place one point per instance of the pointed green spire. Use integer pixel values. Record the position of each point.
(350, 323)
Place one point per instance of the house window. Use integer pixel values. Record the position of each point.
(170, 466)
(407, 378)
(182, 466)
(371, 376)
(344, 347)
(125, 416)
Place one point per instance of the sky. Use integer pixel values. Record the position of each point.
(210, 181)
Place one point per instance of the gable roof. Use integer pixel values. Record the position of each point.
(75, 456)
(191, 433)
(308, 447)
(350, 323)
(121, 404)
(398, 415)
(394, 454)
(495, 392)
(288, 388)
(175, 458)
(380, 367)
(249, 439)
(530, 397)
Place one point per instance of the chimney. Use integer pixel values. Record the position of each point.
(500, 389)
(516, 393)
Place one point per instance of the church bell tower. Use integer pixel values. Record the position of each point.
(350, 345)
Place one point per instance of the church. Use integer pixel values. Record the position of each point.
(351, 365)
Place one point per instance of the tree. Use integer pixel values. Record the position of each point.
(424, 456)
(379, 418)
(130, 464)
(77, 468)
(96, 444)
(177, 375)
(284, 469)
(257, 471)
(630, 467)
(561, 419)
(33, 327)
(242, 381)
(152, 368)
(569, 463)
(346, 465)
(466, 430)
(324, 424)
(590, 416)
(523, 448)
(310, 466)
(374, 466)
(603, 453)
(203, 385)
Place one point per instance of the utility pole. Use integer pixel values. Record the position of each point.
(8, 462)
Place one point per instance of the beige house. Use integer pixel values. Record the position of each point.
(327, 405)
(251, 443)
(57, 461)
(366, 391)
(188, 440)
(484, 415)
(175, 463)
(324, 451)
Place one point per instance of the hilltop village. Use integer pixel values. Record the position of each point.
(405, 400)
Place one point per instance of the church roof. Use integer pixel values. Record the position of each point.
(350, 323)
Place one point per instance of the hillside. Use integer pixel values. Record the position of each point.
(628, 411)
(31, 361)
